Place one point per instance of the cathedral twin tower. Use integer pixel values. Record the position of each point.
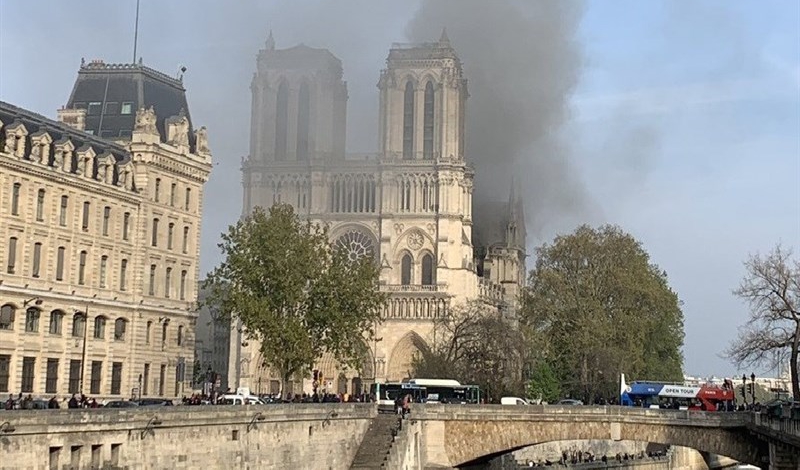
(409, 206)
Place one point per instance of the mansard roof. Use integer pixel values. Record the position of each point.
(36, 123)
(111, 85)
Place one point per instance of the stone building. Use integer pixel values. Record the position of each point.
(409, 206)
(100, 224)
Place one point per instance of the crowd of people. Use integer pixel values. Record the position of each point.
(29, 403)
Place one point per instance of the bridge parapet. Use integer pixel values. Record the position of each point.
(785, 430)
(580, 413)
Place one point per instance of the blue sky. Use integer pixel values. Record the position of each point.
(683, 124)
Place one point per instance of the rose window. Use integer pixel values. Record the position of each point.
(356, 244)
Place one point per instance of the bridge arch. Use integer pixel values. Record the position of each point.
(477, 434)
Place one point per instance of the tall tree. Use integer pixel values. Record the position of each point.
(475, 343)
(771, 288)
(599, 308)
(296, 295)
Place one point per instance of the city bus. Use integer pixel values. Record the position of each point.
(386, 393)
(448, 391)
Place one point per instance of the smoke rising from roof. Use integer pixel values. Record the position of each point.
(523, 61)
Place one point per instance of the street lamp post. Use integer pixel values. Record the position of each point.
(744, 389)
(753, 381)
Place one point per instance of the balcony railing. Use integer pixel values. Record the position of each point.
(412, 288)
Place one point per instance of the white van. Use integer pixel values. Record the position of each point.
(513, 401)
(239, 400)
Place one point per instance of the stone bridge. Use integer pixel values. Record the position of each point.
(459, 436)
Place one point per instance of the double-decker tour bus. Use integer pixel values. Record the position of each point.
(707, 397)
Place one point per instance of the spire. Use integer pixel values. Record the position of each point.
(512, 198)
(444, 39)
(270, 44)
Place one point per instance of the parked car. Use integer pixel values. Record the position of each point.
(154, 402)
(513, 401)
(569, 402)
(121, 404)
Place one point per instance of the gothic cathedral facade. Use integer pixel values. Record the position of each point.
(409, 206)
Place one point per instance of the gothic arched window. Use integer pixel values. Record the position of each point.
(427, 128)
(281, 121)
(427, 270)
(405, 270)
(408, 122)
(356, 244)
(303, 112)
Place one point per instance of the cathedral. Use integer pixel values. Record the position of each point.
(409, 206)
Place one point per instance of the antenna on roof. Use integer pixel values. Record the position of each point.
(136, 32)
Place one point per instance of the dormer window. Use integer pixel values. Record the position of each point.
(126, 108)
(93, 108)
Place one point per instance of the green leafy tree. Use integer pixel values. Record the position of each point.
(771, 336)
(475, 344)
(296, 294)
(598, 307)
(543, 384)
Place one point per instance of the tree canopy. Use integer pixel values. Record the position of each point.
(596, 306)
(296, 294)
(771, 336)
(475, 344)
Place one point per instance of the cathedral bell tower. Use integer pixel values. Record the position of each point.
(422, 98)
(299, 105)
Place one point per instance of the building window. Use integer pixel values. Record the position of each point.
(94, 108)
(37, 259)
(82, 268)
(123, 272)
(75, 367)
(154, 241)
(427, 270)
(126, 225)
(62, 214)
(303, 113)
(185, 247)
(28, 368)
(180, 335)
(103, 266)
(99, 328)
(148, 332)
(281, 121)
(60, 263)
(97, 373)
(167, 282)
(15, 198)
(56, 319)
(126, 108)
(112, 107)
(152, 290)
(32, 320)
(78, 325)
(6, 317)
(5, 369)
(157, 193)
(172, 189)
(12, 255)
(85, 224)
(162, 376)
(427, 123)
(408, 121)
(120, 327)
(405, 270)
(106, 218)
(146, 380)
(51, 376)
(170, 233)
(164, 334)
(188, 199)
(116, 378)
(40, 205)
(183, 285)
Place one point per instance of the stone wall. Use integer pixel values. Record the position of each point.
(219, 437)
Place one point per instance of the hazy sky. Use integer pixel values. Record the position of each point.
(677, 120)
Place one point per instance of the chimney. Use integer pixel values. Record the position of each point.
(75, 118)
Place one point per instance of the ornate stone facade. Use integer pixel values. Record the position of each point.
(100, 249)
(409, 206)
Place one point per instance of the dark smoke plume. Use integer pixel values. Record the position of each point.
(523, 61)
